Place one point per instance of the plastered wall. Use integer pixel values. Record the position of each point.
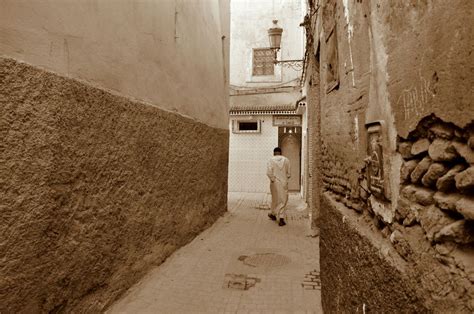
(249, 29)
(249, 154)
(113, 144)
(173, 54)
(249, 25)
(95, 189)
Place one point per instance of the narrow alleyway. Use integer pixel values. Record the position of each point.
(243, 263)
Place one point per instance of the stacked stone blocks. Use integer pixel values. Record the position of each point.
(437, 196)
(433, 223)
(437, 177)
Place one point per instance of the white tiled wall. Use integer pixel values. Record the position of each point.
(248, 156)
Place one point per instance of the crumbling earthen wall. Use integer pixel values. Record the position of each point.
(95, 189)
(314, 180)
(404, 67)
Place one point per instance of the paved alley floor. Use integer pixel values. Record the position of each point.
(244, 263)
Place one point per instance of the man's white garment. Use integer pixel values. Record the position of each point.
(278, 171)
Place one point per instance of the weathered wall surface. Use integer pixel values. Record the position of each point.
(313, 109)
(169, 53)
(430, 62)
(362, 264)
(95, 189)
(408, 64)
(118, 156)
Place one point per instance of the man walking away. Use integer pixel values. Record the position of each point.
(278, 171)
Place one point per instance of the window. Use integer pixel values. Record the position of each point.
(332, 62)
(246, 126)
(263, 62)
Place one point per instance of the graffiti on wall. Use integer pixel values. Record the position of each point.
(413, 100)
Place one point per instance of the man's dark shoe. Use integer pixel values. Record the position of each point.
(272, 217)
(282, 222)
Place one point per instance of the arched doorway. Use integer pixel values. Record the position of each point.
(290, 143)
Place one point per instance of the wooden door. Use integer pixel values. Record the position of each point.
(291, 149)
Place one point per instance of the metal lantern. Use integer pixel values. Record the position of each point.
(274, 35)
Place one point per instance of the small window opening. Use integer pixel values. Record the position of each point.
(248, 126)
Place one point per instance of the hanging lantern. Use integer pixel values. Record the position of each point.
(274, 35)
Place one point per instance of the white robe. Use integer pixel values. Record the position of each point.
(278, 171)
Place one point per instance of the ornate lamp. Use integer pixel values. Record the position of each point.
(274, 37)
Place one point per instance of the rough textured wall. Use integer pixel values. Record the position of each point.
(343, 109)
(95, 190)
(172, 54)
(430, 61)
(313, 108)
(361, 265)
(437, 188)
(407, 63)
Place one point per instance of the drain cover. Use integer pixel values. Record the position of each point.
(240, 281)
(266, 260)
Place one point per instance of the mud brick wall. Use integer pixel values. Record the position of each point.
(433, 230)
(95, 189)
(341, 181)
(405, 63)
(353, 262)
(314, 136)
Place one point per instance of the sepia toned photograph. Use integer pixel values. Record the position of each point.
(236, 156)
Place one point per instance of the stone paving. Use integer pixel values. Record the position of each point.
(244, 263)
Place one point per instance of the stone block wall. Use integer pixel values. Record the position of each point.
(95, 189)
(437, 188)
(437, 177)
